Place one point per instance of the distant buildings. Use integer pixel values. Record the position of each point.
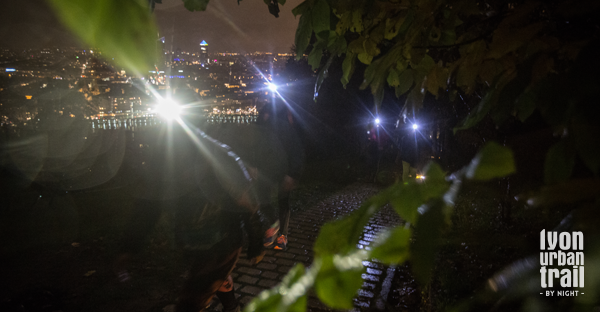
(204, 60)
(79, 83)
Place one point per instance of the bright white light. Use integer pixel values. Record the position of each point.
(272, 87)
(377, 121)
(415, 126)
(168, 109)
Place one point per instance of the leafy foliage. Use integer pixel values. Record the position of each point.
(444, 45)
(493, 161)
(336, 270)
(290, 295)
(195, 5)
(518, 57)
(123, 30)
(339, 279)
(392, 246)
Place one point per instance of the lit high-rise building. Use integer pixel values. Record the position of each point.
(204, 52)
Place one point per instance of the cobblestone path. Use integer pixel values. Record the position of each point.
(304, 228)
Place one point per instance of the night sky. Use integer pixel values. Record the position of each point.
(226, 26)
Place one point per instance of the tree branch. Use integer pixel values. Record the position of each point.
(456, 44)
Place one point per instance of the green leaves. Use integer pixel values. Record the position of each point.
(303, 34)
(560, 161)
(301, 8)
(469, 65)
(335, 44)
(122, 29)
(525, 105)
(357, 21)
(410, 196)
(336, 280)
(365, 57)
(336, 272)
(393, 78)
(587, 143)
(314, 18)
(407, 22)
(348, 68)
(339, 279)
(492, 161)
(376, 73)
(314, 58)
(339, 237)
(366, 49)
(506, 40)
(436, 79)
(425, 246)
(405, 82)
(195, 5)
(320, 12)
(290, 295)
(392, 246)
(392, 26)
(481, 110)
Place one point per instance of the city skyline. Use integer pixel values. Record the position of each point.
(79, 83)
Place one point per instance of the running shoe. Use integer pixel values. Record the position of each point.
(271, 235)
(281, 243)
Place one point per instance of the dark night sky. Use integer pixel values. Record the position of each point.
(30, 23)
(226, 26)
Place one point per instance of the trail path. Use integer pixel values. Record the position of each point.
(304, 229)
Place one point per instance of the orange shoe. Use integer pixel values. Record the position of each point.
(281, 243)
(270, 235)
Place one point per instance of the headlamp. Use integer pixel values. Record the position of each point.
(168, 109)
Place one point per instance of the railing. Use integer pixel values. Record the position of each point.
(128, 123)
(225, 118)
(132, 123)
(125, 123)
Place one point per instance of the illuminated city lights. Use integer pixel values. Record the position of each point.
(236, 83)
(169, 110)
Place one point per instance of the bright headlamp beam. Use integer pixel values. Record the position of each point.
(415, 126)
(272, 87)
(377, 120)
(168, 110)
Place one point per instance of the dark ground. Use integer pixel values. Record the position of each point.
(57, 250)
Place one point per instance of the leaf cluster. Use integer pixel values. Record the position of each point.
(336, 271)
(123, 30)
(516, 57)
